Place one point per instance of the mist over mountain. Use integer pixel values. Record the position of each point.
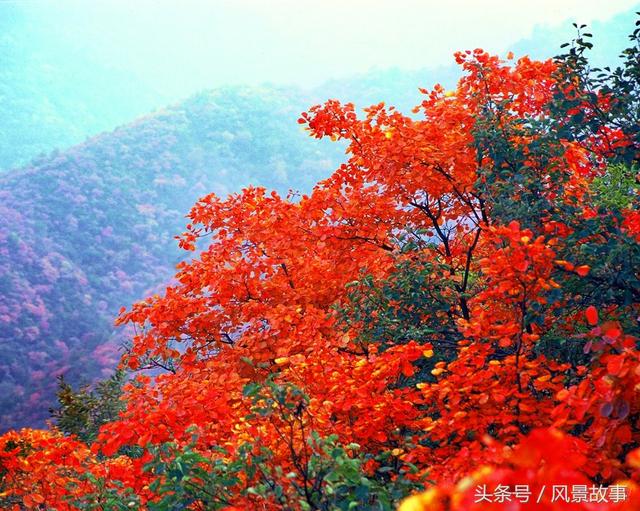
(65, 77)
(608, 38)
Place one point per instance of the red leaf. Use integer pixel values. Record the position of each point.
(592, 315)
(583, 270)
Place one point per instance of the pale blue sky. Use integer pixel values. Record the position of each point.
(216, 42)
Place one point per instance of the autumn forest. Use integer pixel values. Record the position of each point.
(450, 321)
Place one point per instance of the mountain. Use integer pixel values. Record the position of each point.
(55, 92)
(87, 230)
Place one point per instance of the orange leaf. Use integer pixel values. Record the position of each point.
(633, 459)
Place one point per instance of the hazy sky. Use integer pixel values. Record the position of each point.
(216, 42)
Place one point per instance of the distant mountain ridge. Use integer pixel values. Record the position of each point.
(49, 102)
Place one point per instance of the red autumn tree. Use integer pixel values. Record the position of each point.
(461, 293)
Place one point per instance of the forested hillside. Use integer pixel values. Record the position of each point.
(86, 230)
